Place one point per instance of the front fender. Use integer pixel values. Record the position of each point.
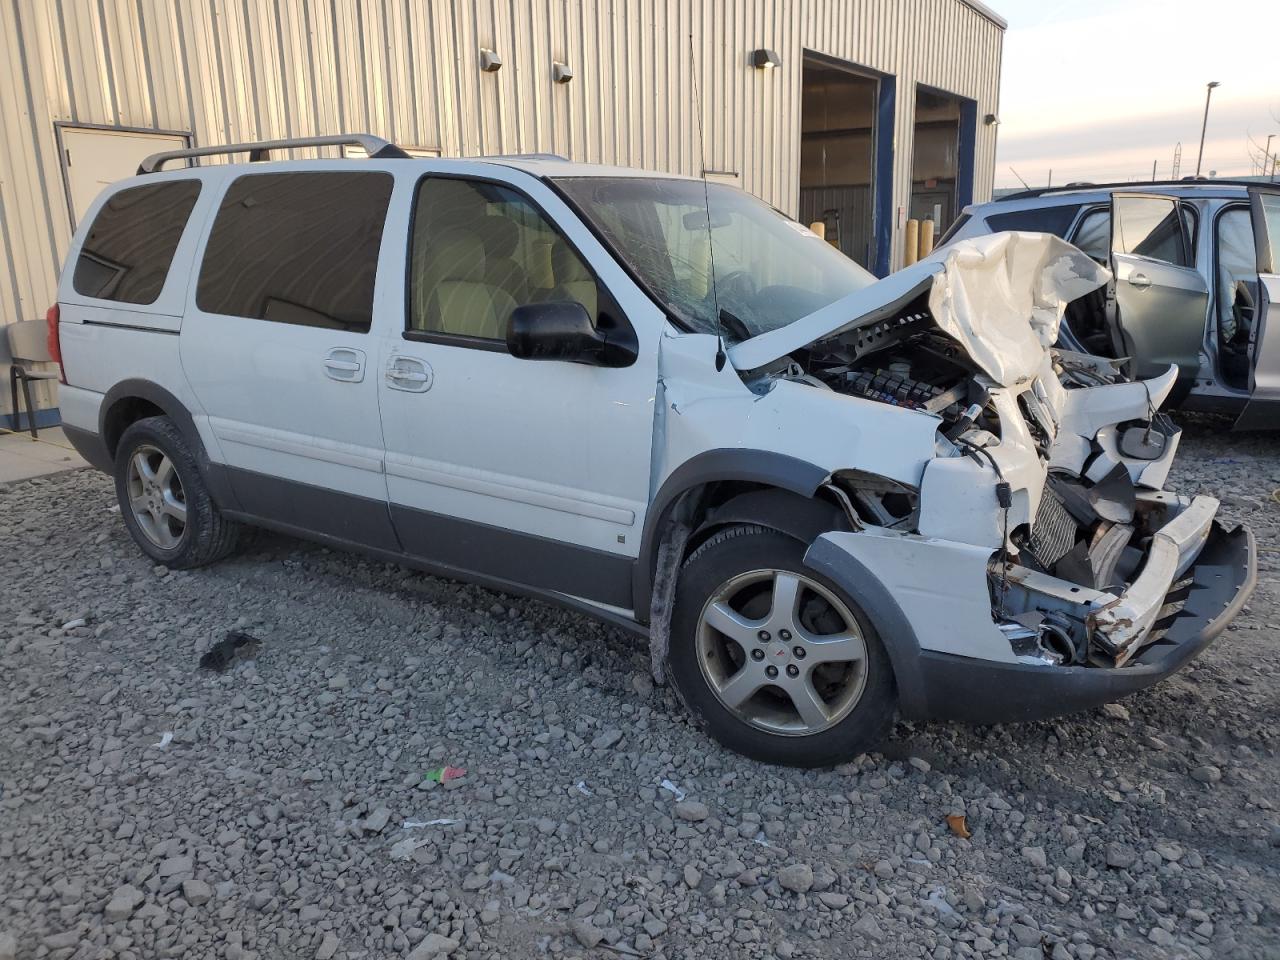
(922, 595)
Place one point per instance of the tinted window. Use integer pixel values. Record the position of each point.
(1150, 227)
(1055, 220)
(127, 252)
(297, 248)
(1093, 236)
(480, 250)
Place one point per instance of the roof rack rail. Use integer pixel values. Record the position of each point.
(1128, 184)
(375, 147)
(523, 156)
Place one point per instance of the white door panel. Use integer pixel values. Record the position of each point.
(487, 484)
(275, 409)
(531, 446)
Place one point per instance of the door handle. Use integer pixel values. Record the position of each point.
(409, 374)
(1139, 280)
(344, 364)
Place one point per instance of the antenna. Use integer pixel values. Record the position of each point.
(706, 200)
(1019, 176)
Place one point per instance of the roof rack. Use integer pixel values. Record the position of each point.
(524, 156)
(1128, 184)
(375, 147)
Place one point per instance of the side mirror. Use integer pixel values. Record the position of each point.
(562, 330)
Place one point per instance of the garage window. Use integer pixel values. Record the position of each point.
(128, 249)
(298, 248)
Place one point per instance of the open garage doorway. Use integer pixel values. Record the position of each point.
(941, 157)
(838, 157)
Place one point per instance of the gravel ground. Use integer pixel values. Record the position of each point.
(279, 809)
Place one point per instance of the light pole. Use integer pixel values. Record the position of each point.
(1208, 93)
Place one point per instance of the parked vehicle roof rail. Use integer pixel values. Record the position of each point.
(1125, 185)
(375, 147)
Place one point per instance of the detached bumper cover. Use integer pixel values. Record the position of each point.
(983, 691)
(1122, 625)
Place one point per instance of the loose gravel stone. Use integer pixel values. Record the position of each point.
(432, 946)
(1206, 773)
(798, 878)
(692, 810)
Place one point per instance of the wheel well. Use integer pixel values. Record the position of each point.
(730, 503)
(122, 414)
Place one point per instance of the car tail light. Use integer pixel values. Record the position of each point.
(54, 341)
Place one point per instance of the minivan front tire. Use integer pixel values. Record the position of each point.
(773, 660)
(163, 498)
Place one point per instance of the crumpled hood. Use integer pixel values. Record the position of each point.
(1001, 296)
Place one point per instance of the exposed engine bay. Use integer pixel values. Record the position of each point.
(1092, 525)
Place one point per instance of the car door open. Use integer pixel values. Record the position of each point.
(1161, 299)
(1264, 345)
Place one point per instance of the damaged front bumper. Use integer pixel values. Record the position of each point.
(920, 596)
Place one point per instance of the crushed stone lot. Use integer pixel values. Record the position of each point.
(279, 808)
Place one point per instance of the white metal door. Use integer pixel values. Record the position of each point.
(535, 472)
(94, 158)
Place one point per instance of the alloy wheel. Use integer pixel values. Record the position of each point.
(782, 652)
(156, 497)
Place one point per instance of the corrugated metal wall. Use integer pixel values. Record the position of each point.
(233, 70)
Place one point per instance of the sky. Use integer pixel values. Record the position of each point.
(1099, 89)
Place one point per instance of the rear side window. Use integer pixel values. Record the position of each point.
(128, 249)
(1055, 220)
(1150, 227)
(297, 248)
(1093, 236)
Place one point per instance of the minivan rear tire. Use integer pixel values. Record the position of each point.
(823, 684)
(163, 498)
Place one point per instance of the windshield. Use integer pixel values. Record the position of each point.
(769, 270)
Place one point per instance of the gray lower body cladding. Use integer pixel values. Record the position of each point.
(941, 686)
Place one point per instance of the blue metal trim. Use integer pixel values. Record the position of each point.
(883, 176)
(967, 153)
(50, 417)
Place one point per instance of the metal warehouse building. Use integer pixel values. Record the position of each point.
(857, 113)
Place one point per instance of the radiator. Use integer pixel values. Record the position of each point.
(1053, 532)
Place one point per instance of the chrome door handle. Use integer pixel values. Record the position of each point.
(409, 374)
(1139, 280)
(344, 364)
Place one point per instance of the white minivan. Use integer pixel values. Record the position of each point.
(824, 499)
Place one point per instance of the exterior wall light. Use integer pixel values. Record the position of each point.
(561, 72)
(991, 119)
(490, 62)
(763, 59)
